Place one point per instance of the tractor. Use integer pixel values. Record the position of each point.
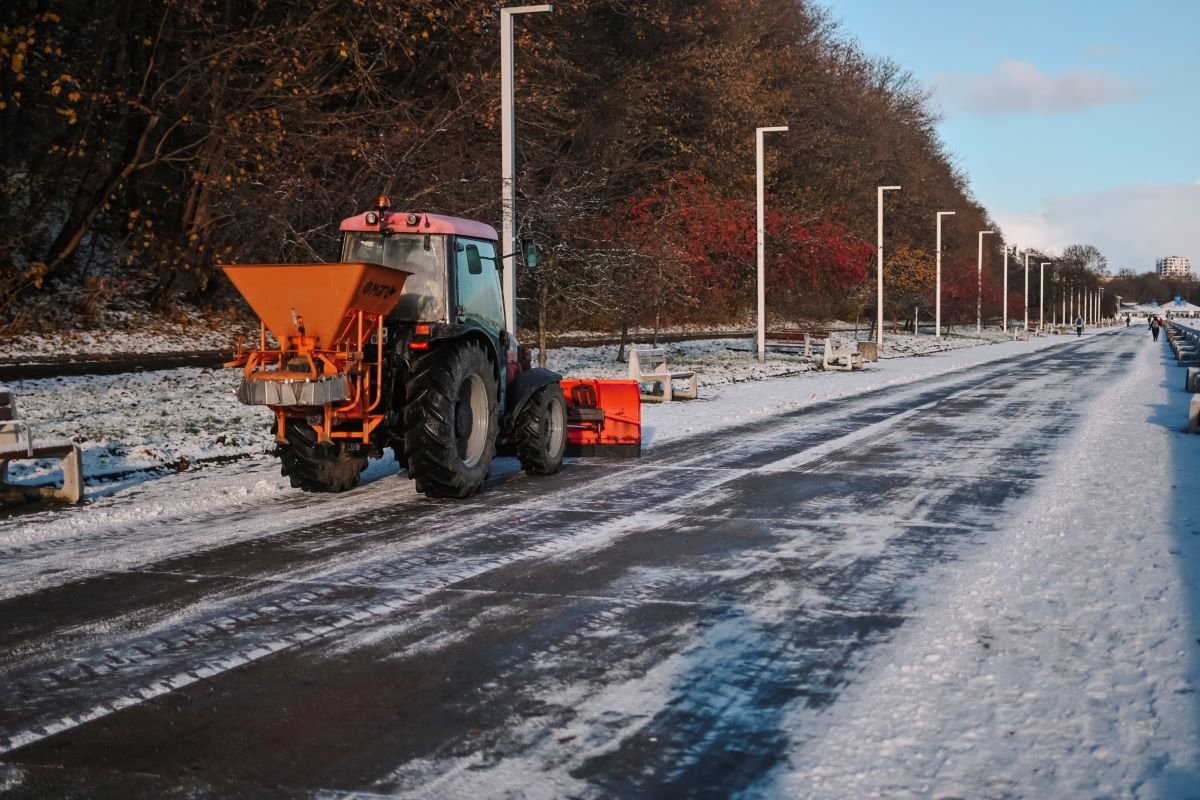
(402, 343)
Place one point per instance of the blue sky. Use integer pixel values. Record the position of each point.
(1075, 121)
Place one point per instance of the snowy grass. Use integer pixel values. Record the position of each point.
(174, 420)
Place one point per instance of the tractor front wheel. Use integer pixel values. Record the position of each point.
(451, 420)
(541, 431)
(316, 467)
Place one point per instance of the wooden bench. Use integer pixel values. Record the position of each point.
(796, 342)
(16, 442)
(650, 366)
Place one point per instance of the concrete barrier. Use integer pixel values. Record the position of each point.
(1194, 414)
(1191, 379)
(869, 351)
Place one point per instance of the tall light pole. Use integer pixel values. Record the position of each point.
(979, 285)
(937, 321)
(1004, 299)
(1042, 301)
(1027, 292)
(1053, 306)
(762, 236)
(1100, 307)
(508, 181)
(879, 265)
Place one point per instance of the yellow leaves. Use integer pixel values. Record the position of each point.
(69, 114)
(73, 97)
(17, 62)
(37, 273)
(50, 16)
(147, 41)
(279, 83)
(55, 90)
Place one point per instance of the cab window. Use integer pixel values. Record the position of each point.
(423, 298)
(478, 281)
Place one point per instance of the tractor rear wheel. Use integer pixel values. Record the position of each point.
(317, 467)
(451, 420)
(541, 431)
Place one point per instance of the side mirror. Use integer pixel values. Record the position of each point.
(474, 263)
(529, 247)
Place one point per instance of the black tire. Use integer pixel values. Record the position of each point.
(541, 431)
(451, 420)
(317, 467)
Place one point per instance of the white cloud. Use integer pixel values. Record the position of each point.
(1018, 87)
(1132, 225)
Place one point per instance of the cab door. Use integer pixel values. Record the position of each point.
(479, 300)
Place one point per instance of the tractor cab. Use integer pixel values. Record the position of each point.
(454, 263)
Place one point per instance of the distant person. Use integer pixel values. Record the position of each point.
(1079, 325)
(1126, 320)
(1154, 328)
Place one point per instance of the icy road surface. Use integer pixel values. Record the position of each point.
(981, 584)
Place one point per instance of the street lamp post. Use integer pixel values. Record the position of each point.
(1042, 301)
(1004, 299)
(508, 245)
(1053, 305)
(979, 285)
(761, 234)
(1100, 307)
(879, 265)
(1026, 292)
(937, 322)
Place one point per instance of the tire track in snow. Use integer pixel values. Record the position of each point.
(83, 675)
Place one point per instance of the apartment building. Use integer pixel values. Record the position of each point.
(1173, 267)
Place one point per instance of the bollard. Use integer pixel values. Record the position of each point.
(1194, 414)
(1191, 379)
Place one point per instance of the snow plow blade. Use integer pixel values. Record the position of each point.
(314, 301)
(604, 417)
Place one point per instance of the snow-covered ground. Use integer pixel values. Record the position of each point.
(1060, 659)
(126, 333)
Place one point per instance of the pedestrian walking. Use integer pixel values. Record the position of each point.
(1154, 328)
(1079, 325)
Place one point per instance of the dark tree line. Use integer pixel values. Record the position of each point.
(146, 141)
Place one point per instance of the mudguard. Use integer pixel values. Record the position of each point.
(520, 390)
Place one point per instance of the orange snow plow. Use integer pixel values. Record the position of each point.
(327, 324)
(604, 417)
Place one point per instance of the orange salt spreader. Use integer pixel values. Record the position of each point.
(327, 323)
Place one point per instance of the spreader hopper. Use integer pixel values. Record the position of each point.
(315, 300)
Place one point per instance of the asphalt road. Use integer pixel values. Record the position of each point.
(671, 627)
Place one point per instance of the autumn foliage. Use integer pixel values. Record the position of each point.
(145, 141)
